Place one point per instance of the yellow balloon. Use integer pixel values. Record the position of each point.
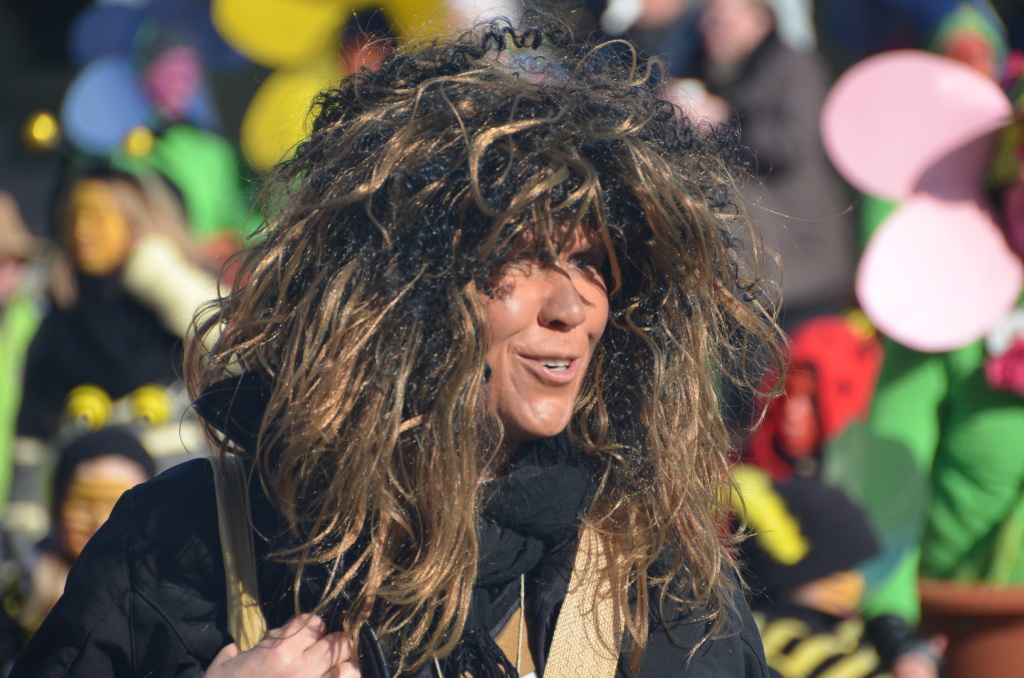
(301, 39)
(412, 19)
(278, 115)
(279, 32)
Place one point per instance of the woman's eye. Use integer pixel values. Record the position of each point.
(588, 261)
(520, 263)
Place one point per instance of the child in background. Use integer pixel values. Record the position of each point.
(803, 575)
(20, 311)
(91, 475)
(834, 366)
(124, 285)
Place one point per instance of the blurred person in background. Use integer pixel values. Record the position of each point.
(668, 29)
(20, 312)
(124, 285)
(92, 473)
(949, 406)
(960, 414)
(971, 31)
(834, 364)
(182, 141)
(745, 75)
(203, 166)
(802, 571)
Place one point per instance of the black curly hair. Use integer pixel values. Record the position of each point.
(361, 307)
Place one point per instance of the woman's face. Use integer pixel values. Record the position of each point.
(545, 321)
(100, 232)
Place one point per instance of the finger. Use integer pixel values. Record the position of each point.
(308, 622)
(343, 670)
(914, 665)
(312, 624)
(301, 632)
(226, 654)
(333, 649)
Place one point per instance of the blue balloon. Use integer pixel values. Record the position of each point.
(103, 103)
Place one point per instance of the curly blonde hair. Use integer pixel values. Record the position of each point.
(359, 306)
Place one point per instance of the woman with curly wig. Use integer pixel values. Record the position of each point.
(470, 363)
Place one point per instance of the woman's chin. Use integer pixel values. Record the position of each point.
(519, 432)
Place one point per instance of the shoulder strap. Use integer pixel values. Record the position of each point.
(246, 623)
(587, 634)
(589, 627)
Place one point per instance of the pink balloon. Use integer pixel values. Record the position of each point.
(910, 120)
(937, 274)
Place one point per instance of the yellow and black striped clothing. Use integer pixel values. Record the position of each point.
(804, 643)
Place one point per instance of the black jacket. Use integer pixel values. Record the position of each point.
(147, 598)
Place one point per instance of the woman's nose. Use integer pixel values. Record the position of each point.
(562, 306)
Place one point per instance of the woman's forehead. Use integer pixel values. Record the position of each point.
(533, 238)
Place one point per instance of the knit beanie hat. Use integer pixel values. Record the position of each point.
(835, 532)
(110, 441)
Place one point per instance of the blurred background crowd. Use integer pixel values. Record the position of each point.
(885, 150)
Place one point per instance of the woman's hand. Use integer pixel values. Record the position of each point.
(302, 648)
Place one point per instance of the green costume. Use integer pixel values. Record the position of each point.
(969, 440)
(18, 323)
(206, 169)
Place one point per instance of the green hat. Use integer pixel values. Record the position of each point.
(204, 167)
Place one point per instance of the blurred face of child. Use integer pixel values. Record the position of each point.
(12, 271)
(100, 232)
(363, 50)
(545, 322)
(95, 487)
(732, 29)
(975, 51)
(799, 433)
(172, 81)
(838, 594)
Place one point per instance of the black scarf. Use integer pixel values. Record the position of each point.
(529, 527)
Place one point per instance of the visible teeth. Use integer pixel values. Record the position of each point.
(556, 364)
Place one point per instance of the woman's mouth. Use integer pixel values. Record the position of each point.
(555, 364)
(555, 371)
